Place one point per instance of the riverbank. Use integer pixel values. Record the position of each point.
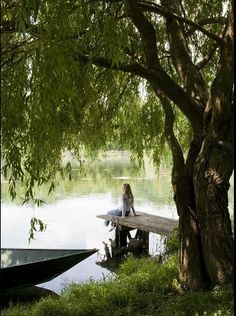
(141, 287)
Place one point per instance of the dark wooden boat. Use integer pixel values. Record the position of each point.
(25, 267)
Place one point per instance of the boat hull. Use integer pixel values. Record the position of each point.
(32, 273)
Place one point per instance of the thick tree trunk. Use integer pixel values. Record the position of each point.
(206, 242)
(211, 181)
(192, 268)
(209, 239)
(189, 256)
(213, 169)
(200, 187)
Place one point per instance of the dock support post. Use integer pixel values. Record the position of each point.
(120, 244)
(120, 241)
(143, 238)
(120, 237)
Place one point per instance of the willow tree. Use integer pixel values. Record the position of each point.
(73, 73)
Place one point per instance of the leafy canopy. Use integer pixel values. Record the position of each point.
(55, 97)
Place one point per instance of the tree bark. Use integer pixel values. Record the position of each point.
(211, 183)
(201, 187)
(213, 169)
(201, 197)
(192, 271)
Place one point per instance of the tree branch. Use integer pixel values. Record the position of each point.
(221, 99)
(147, 33)
(177, 154)
(16, 46)
(134, 68)
(10, 26)
(159, 77)
(206, 59)
(160, 82)
(155, 8)
(212, 50)
(182, 61)
(220, 20)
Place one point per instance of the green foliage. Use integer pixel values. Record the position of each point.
(52, 102)
(36, 225)
(217, 302)
(142, 287)
(172, 243)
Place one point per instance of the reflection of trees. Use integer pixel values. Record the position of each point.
(99, 177)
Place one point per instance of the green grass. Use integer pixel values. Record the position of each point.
(142, 287)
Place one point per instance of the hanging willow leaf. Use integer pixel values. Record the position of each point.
(36, 225)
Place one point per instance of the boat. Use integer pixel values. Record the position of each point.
(25, 267)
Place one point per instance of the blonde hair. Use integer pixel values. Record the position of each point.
(127, 190)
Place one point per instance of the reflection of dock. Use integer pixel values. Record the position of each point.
(145, 224)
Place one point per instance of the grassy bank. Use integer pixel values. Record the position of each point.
(142, 287)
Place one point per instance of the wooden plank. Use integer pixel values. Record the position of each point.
(145, 222)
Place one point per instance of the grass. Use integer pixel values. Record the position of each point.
(142, 287)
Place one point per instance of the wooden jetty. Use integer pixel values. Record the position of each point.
(144, 223)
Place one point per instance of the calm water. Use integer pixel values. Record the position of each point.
(70, 213)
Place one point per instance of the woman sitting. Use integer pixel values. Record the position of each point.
(127, 204)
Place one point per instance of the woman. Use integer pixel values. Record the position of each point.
(127, 204)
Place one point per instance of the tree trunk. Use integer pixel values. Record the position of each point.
(211, 181)
(206, 242)
(206, 238)
(201, 182)
(213, 169)
(192, 268)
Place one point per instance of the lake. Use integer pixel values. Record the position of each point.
(70, 212)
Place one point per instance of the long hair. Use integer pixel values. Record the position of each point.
(127, 190)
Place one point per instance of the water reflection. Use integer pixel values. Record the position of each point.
(70, 212)
(106, 176)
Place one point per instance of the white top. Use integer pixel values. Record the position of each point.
(126, 204)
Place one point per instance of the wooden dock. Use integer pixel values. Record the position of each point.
(145, 222)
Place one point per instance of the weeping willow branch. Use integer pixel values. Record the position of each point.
(155, 8)
(176, 151)
(134, 68)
